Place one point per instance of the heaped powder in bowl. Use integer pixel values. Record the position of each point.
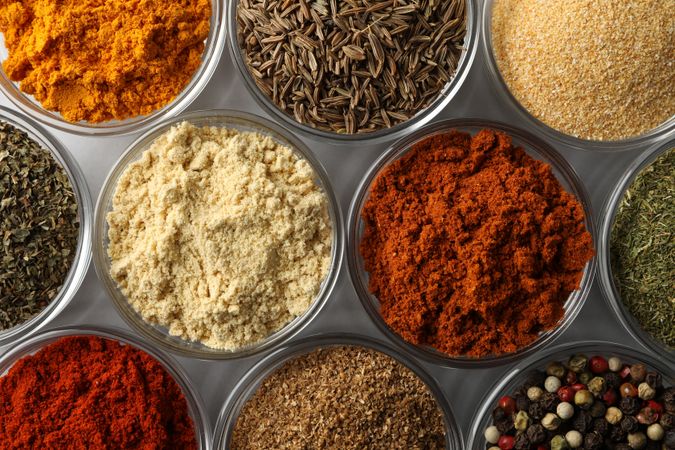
(223, 237)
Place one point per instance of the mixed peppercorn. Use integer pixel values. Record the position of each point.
(587, 404)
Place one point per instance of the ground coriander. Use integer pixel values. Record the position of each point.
(342, 397)
(39, 226)
(642, 248)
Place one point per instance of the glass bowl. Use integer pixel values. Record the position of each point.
(607, 283)
(533, 146)
(252, 380)
(210, 57)
(420, 119)
(82, 257)
(583, 144)
(159, 335)
(516, 376)
(196, 408)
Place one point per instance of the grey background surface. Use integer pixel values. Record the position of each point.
(346, 165)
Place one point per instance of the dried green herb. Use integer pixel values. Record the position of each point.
(39, 226)
(642, 248)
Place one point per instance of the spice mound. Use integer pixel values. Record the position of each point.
(590, 404)
(101, 60)
(472, 246)
(221, 236)
(92, 393)
(39, 227)
(343, 397)
(642, 248)
(600, 70)
(351, 66)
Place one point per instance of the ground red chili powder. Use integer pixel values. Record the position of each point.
(86, 392)
(471, 245)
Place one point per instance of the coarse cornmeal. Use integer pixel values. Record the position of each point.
(221, 236)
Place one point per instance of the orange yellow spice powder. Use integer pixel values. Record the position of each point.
(472, 246)
(99, 60)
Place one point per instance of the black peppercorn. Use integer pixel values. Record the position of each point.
(593, 441)
(601, 426)
(669, 400)
(522, 403)
(522, 442)
(498, 414)
(550, 400)
(653, 379)
(629, 424)
(669, 440)
(629, 405)
(622, 447)
(536, 410)
(582, 421)
(616, 434)
(667, 421)
(598, 409)
(534, 378)
(504, 425)
(536, 433)
(612, 380)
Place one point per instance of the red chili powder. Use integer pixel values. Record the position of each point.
(92, 393)
(471, 245)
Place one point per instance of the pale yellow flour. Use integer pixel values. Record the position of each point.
(222, 237)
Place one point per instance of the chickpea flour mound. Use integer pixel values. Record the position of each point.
(343, 397)
(221, 236)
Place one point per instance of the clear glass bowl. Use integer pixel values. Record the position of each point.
(195, 405)
(516, 376)
(82, 257)
(420, 119)
(607, 283)
(159, 335)
(533, 146)
(578, 143)
(252, 380)
(210, 57)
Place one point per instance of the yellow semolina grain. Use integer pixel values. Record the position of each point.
(600, 70)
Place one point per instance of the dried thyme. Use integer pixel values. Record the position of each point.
(643, 248)
(353, 66)
(344, 398)
(39, 226)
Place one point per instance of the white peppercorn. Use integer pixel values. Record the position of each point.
(565, 410)
(574, 439)
(492, 434)
(655, 432)
(613, 415)
(550, 421)
(552, 384)
(535, 393)
(615, 364)
(645, 391)
(637, 440)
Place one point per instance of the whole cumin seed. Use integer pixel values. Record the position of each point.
(354, 66)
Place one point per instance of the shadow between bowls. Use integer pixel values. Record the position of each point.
(517, 374)
(607, 282)
(213, 49)
(537, 149)
(159, 335)
(419, 120)
(195, 404)
(85, 212)
(504, 92)
(252, 380)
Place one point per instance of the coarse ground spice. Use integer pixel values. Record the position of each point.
(471, 245)
(98, 60)
(642, 248)
(595, 69)
(342, 397)
(87, 392)
(222, 236)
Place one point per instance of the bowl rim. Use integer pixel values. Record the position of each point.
(536, 360)
(570, 181)
(502, 89)
(83, 252)
(606, 226)
(211, 56)
(422, 118)
(249, 383)
(195, 404)
(225, 119)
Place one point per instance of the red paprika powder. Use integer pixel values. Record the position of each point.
(86, 392)
(471, 245)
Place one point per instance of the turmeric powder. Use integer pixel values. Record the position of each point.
(101, 60)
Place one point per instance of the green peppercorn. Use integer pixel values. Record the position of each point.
(597, 386)
(578, 363)
(559, 443)
(522, 421)
(583, 399)
(585, 377)
(555, 369)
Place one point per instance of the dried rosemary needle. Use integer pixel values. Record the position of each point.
(353, 66)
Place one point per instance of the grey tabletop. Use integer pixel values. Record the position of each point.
(346, 165)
